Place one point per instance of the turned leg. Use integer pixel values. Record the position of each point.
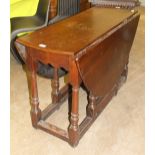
(74, 127)
(74, 79)
(35, 111)
(91, 106)
(55, 87)
(122, 79)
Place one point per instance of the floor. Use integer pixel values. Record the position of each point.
(119, 130)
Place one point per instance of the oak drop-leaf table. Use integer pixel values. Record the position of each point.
(93, 47)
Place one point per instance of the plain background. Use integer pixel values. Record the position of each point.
(5, 78)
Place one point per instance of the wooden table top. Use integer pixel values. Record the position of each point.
(75, 33)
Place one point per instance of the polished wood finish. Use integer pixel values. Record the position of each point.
(107, 49)
(93, 47)
(64, 38)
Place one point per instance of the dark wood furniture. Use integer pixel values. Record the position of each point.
(93, 47)
(84, 4)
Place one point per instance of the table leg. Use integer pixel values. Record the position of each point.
(123, 78)
(91, 106)
(55, 87)
(34, 100)
(73, 131)
(74, 127)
